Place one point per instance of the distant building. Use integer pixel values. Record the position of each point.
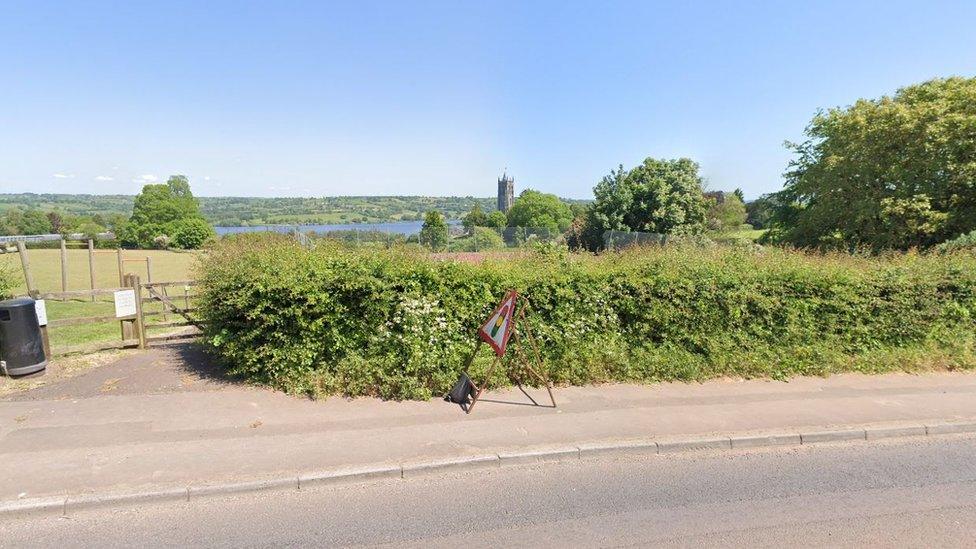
(506, 192)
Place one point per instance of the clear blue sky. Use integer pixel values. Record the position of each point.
(436, 98)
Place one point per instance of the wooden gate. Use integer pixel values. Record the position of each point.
(175, 310)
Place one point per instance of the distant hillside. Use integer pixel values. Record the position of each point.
(244, 211)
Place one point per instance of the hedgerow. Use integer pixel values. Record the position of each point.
(397, 324)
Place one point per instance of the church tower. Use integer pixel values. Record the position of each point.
(506, 192)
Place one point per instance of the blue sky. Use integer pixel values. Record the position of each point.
(436, 98)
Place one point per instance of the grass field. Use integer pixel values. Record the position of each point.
(167, 266)
(45, 264)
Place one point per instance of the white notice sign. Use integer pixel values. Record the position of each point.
(41, 309)
(125, 303)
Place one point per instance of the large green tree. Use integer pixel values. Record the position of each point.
(542, 210)
(167, 209)
(658, 196)
(895, 172)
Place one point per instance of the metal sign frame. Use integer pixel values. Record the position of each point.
(517, 318)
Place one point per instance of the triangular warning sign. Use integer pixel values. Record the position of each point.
(498, 328)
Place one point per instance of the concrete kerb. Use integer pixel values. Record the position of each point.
(950, 428)
(350, 474)
(416, 468)
(71, 503)
(539, 454)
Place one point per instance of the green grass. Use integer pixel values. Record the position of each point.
(167, 266)
(738, 235)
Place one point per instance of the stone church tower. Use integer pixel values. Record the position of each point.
(506, 192)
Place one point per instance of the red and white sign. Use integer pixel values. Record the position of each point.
(498, 328)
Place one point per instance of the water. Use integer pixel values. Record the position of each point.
(395, 227)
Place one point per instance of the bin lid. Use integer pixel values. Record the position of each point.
(16, 303)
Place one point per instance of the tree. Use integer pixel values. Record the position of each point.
(536, 209)
(475, 218)
(34, 222)
(433, 233)
(658, 196)
(760, 211)
(56, 221)
(162, 210)
(895, 172)
(725, 211)
(497, 220)
(90, 230)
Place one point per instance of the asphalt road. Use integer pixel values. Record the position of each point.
(907, 493)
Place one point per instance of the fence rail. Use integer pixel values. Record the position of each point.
(27, 238)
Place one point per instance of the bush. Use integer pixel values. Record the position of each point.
(397, 325)
(962, 242)
(6, 283)
(161, 242)
(482, 239)
(191, 233)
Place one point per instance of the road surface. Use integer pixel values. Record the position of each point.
(909, 493)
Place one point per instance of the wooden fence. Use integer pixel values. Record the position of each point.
(137, 328)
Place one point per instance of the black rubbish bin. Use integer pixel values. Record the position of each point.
(21, 346)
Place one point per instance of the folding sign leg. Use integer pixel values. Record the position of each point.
(538, 358)
(481, 388)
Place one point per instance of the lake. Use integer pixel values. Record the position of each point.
(396, 227)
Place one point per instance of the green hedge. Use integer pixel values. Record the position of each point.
(396, 325)
(6, 282)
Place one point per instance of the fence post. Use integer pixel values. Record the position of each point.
(46, 343)
(91, 265)
(127, 330)
(25, 264)
(118, 255)
(140, 324)
(64, 268)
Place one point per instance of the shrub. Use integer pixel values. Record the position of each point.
(398, 325)
(6, 282)
(161, 242)
(481, 239)
(191, 233)
(962, 242)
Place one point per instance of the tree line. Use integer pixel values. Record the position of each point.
(893, 173)
(658, 196)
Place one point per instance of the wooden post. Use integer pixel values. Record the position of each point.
(121, 267)
(25, 263)
(46, 342)
(139, 324)
(64, 268)
(149, 281)
(127, 328)
(91, 264)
